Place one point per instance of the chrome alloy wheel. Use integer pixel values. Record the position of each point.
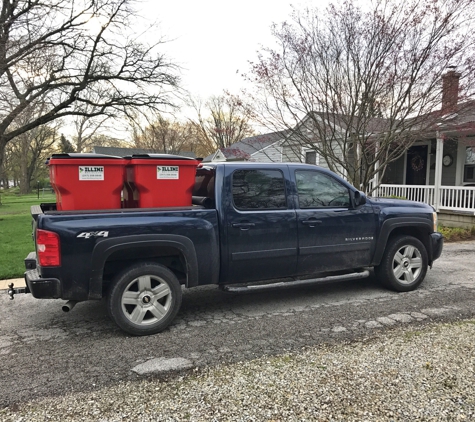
(146, 300)
(407, 264)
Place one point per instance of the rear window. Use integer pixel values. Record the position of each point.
(204, 182)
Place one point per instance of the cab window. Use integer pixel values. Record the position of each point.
(318, 190)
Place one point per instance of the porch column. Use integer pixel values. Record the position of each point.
(438, 169)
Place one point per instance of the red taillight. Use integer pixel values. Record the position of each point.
(48, 248)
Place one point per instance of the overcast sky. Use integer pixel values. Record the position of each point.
(213, 40)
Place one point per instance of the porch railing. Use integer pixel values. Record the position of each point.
(456, 198)
(420, 193)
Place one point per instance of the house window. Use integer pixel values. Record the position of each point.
(469, 167)
(259, 190)
(311, 157)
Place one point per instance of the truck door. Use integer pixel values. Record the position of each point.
(261, 227)
(333, 235)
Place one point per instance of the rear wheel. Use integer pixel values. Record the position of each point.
(144, 299)
(404, 264)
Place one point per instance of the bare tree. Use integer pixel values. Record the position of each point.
(86, 131)
(28, 152)
(103, 140)
(87, 127)
(222, 121)
(170, 136)
(162, 135)
(75, 53)
(359, 86)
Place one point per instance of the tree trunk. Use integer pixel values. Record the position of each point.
(24, 179)
(3, 145)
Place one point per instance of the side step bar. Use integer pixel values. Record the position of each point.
(286, 284)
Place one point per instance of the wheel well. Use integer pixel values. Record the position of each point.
(169, 257)
(417, 232)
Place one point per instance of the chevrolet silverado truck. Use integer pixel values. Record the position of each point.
(250, 226)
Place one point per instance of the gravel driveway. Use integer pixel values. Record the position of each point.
(406, 375)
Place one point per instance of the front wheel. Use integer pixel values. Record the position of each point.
(144, 299)
(404, 264)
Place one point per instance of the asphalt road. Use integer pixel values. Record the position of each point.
(45, 352)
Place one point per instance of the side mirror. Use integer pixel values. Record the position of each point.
(360, 198)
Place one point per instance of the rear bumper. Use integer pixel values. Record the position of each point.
(437, 243)
(42, 288)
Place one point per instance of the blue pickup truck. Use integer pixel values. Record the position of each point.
(251, 226)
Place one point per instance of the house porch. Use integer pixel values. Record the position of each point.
(439, 172)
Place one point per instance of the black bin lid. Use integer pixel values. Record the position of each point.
(88, 156)
(76, 155)
(158, 157)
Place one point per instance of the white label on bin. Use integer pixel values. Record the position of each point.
(168, 172)
(91, 172)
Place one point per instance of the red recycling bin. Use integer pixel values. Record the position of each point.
(87, 181)
(161, 180)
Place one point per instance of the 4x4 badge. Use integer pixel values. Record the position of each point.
(87, 235)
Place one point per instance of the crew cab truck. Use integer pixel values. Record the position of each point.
(251, 226)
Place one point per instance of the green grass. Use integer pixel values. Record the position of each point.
(15, 231)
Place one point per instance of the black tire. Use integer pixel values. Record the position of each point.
(144, 299)
(404, 264)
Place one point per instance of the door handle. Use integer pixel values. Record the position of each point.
(312, 222)
(243, 226)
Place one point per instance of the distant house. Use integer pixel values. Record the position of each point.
(270, 147)
(122, 152)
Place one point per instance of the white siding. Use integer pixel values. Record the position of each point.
(323, 163)
(337, 151)
(292, 153)
(271, 154)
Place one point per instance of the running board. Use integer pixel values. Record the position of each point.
(287, 284)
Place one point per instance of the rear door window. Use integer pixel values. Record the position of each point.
(259, 190)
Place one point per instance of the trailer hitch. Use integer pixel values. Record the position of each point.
(12, 291)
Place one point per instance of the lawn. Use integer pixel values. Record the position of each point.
(15, 231)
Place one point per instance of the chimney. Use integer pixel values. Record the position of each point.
(450, 90)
